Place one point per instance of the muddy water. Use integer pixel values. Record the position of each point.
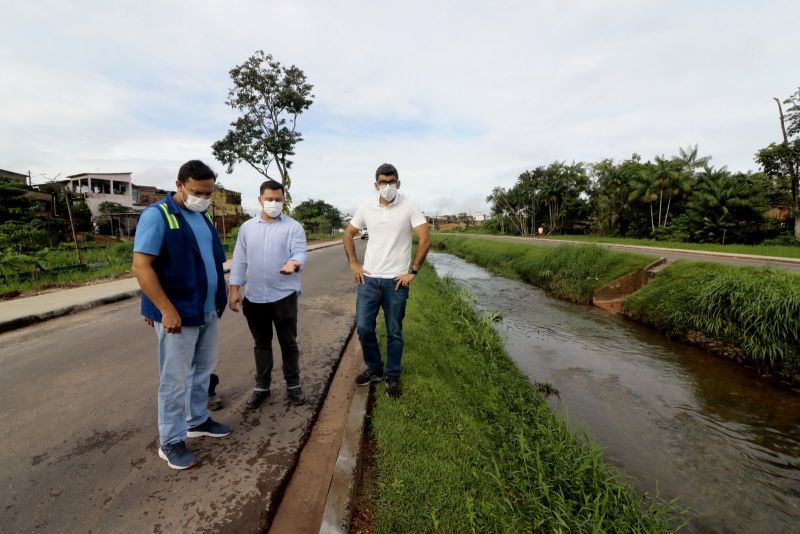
(675, 420)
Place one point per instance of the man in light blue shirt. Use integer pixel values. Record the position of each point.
(269, 254)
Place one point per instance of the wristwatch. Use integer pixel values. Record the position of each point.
(413, 271)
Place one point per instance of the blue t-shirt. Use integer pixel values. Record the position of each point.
(150, 236)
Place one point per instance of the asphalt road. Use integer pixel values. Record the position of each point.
(79, 430)
(658, 252)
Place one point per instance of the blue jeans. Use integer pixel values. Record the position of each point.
(185, 363)
(373, 294)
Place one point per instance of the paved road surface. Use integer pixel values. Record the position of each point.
(659, 252)
(79, 429)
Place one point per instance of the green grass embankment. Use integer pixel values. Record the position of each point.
(570, 272)
(472, 447)
(751, 314)
(772, 250)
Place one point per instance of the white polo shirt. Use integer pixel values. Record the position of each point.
(389, 227)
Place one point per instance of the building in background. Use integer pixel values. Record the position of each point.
(144, 195)
(97, 188)
(10, 176)
(226, 209)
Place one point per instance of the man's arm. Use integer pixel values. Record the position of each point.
(238, 272)
(298, 251)
(151, 286)
(423, 245)
(350, 249)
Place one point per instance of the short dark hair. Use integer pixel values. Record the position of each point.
(272, 185)
(387, 169)
(197, 170)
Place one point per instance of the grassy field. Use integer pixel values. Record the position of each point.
(569, 272)
(779, 251)
(472, 447)
(755, 309)
(58, 267)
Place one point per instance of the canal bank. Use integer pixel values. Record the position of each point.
(674, 419)
(472, 446)
(748, 314)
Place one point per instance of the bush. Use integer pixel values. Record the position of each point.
(755, 309)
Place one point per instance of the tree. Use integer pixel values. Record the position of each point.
(783, 161)
(269, 97)
(661, 181)
(14, 202)
(725, 207)
(317, 216)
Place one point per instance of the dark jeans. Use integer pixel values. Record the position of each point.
(373, 294)
(260, 318)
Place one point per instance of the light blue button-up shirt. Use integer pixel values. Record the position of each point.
(261, 250)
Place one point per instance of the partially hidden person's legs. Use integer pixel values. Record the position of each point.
(285, 319)
(214, 401)
(175, 355)
(368, 302)
(259, 320)
(394, 311)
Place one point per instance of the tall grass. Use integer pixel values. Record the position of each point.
(472, 447)
(569, 272)
(756, 309)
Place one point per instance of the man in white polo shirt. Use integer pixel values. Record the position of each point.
(383, 280)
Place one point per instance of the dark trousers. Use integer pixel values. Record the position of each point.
(260, 318)
(373, 294)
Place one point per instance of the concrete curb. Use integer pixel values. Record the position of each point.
(346, 473)
(327, 459)
(28, 320)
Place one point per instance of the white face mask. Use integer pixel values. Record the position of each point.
(388, 191)
(196, 203)
(272, 208)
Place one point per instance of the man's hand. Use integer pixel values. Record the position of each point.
(358, 272)
(289, 267)
(171, 320)
(149, 321)
(235, 299)
(403, 280)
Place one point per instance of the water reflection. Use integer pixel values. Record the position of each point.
(697, 427)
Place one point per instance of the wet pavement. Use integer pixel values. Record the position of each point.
(79, 420)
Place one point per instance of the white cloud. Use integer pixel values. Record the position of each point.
(461, 96)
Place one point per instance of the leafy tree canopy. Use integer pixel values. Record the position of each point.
(269, 98)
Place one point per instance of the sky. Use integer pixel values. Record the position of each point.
(461, 96)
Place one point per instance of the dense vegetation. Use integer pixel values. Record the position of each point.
(472, 447)
(682, 198)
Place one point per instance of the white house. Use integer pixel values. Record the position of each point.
(99, 187)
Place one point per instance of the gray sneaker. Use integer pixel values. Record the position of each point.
(177, 455)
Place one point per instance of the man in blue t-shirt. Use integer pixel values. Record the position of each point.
(177, 260)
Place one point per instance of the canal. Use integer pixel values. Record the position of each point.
(674, 420)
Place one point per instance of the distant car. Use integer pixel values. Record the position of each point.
(364, 234)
